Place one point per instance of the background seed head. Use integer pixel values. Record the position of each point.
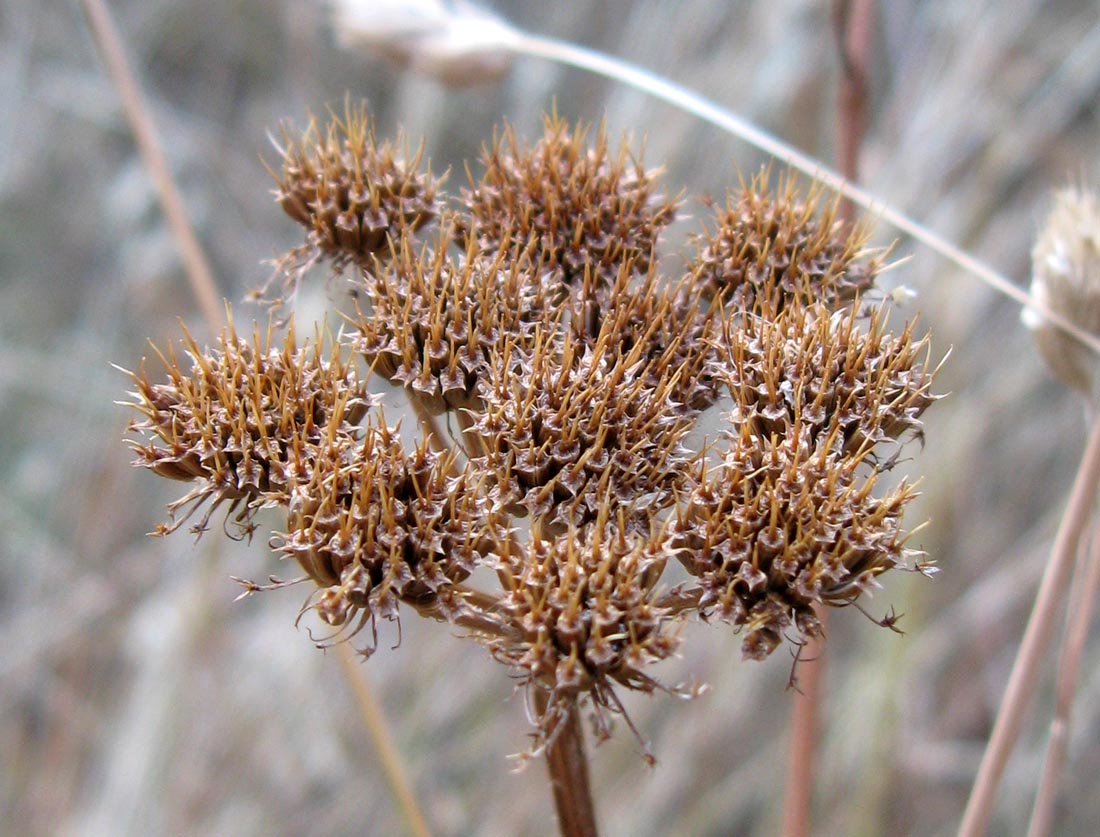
(1066, 278)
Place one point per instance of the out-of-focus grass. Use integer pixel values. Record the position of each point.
(136, 697)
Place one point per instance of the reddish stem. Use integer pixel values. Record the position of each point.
(852, 20)
(568, 767)
(1037, 635)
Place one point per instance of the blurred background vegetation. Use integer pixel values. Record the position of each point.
(137, 697)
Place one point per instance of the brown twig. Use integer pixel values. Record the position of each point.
(1036, 639)
(1086, 588)
(388, 756)
(852, 20)
(195, 263)
(798, 795)
(568, 767)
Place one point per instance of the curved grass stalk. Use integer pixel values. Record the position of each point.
(565, 52)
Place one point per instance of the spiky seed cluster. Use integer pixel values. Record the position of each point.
(352, 194)
(586, 207)
(437, 320)
(587, 605)
(381, 525)
(538, 320)
(783, 523)
(246, 420)
(835, 374)
(768, 247)
(572, 427)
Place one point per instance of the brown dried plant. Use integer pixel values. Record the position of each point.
(536, 318)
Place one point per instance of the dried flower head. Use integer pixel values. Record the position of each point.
(835, 374)
(585, 207)
(246, 420)
(539, 323)
(380, 525)
(771, 246)
(584, 607)
(436, 320)
(573, 426)
(352, 194)
(781, 524)
(1066, 279)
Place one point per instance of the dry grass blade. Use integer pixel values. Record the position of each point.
(1033, 647)
(195, 262)
(1086, 588)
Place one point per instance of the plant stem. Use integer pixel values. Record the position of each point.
(195, 263)
(1086, 588)
(388, 755)
(568, 766)
(852, 21)
(1033, 648)
(798, 795)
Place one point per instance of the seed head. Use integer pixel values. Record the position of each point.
(783, 523)
(837, 375)
(583, 613)
(538, 321)
(768, 247)
(352, 194)
(585, 207)
(246, 420)
(572, 426)
(1066, 279)
(436, 320)
(379, 525)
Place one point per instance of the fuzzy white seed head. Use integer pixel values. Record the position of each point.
(1066, 279)
(455, 42)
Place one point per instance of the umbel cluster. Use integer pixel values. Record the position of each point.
(558, 375)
